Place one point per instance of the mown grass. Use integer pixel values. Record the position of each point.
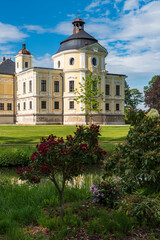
(33, 134)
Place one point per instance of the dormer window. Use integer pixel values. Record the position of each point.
(71, 61)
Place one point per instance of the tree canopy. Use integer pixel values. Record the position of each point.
(133, 97)
(152, 95)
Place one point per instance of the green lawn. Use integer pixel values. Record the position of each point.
(32, 134)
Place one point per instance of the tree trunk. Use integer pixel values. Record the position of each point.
(61, 203)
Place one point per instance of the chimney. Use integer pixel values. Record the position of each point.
(3, 59)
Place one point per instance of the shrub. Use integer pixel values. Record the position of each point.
(153, 113)
(18, 158)
(137, 161)
(145, 209)
(54, 156)
(106, 192)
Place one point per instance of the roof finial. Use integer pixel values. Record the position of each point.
(24, 45)
(78, 14)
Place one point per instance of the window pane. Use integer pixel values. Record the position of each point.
(71, 86)
(18, 106)
(118, 90)
(43, 105)
(26, 64)
(24, 87)
(71, 61)
(117, 107)
(30, 86)
(56, 105)
(30, 104)
(94, 61)
(107, 106)
(24, 105)
(56, 86)
(1, 106)
(43, 85)
(9, 106)
(107, 89)
(71, 104)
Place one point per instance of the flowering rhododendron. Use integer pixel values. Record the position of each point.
(66, 157)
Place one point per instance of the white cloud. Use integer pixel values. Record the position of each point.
(131, 4)
(10, 33)
(36, 28)
(72, 16)
(92, 5)
(43, 61)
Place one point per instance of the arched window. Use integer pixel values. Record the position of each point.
(94, 61)
(71, 61)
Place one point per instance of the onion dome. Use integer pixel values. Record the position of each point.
(24, 50)
(78, 39)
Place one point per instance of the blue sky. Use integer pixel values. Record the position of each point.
(130, 30)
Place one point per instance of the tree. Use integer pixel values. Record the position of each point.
(55, 156)
(133, 97)
(90, 95)
(152, 95)
(147, 88)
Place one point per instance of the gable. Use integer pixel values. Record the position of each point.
(95, 47)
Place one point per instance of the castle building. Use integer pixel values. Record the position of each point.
(36, 95)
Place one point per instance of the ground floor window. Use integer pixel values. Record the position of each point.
(1, 106)
(117, 107)
(107, 106)
(71, 105)
(9, 106)
(56, 105)
(43, 104)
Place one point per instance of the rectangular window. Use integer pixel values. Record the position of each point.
(71, 104)
(30, 104)
(18, 107)
(30, 86)
(43, 85)
(56, 105)
(107, 106)
(107, 92)
(94, 106)
(1, 106)
(117, 90)
(17, 64)
(26, 64)
(9, 106)
(43, 104)
(24, 105)
(117, 107)
(24, 87)
(56, 86)
(71, 86)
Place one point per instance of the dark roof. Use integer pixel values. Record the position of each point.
(114, 74)
(77, 41)
(7, 67)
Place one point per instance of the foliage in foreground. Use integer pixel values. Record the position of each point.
(55, 156)
(137, 161)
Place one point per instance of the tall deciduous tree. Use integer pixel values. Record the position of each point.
(147, 88)
(90, 95)
(133, 97)
(152, 95)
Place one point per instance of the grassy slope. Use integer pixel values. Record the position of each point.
(32, 134)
